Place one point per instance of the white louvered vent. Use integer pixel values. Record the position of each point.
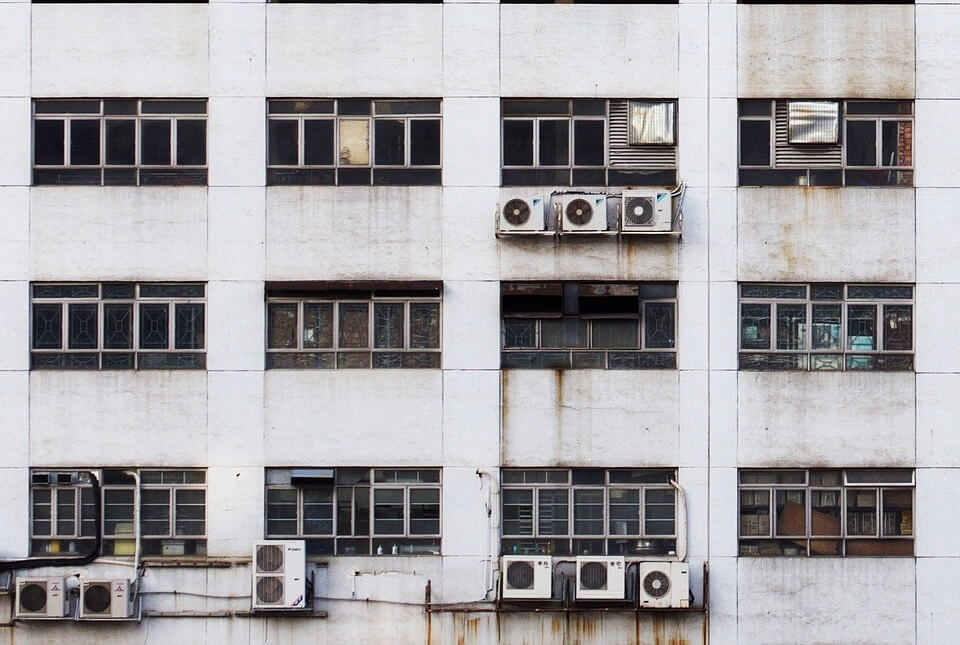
(623, 155)
(802, 156)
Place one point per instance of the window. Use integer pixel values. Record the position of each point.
(589, 142)
(356, 511)
(117, 325)
(826, 327)
(120, 142)
(353, 142)
(64, 512)
(826, 512)
(557, 325)
(350, 325)
(826, 143)
(589, 511)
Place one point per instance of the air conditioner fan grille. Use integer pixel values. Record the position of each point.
(656, 584)
(593, 575)
(33, 597)
(269, 590)
(269, 558)
(516, 212)
(639, 211)
(520, 575)
(579, 212)
(96, 598)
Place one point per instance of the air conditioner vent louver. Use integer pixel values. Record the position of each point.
(593, 575)
(580, 212)
(33, 598)
(269, 558)
(520, 575)
(96, 599)
(656, 584)
(517, 212)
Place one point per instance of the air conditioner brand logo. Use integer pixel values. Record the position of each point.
(54, 586)
(120, 586)
(297, 600)
(661, 197)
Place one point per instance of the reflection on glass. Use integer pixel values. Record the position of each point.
(861, 327)
(354, 142)
(861, 511)
(791, 326)
(826, 327)
(755, 326)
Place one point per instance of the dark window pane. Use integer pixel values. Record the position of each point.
(659, 325)
(880, 107)
(354, 325)
(189, 326)
(755, 143)
(317, 325)
(615, 334)
(388, 142)
(82, 333)
(276, 106)
(562, 332)
(861, 327)
(318, 142)
(554, 143)
(281, 511)
(425, 142)
(897, 143)
(191, 512)
(155, 143)
(388, 325)
(155, 512)
(171, 290)
(388, 511)
(59, 106)
(518, 143)
(553, 512)
(48, 143)
(318, 511)
(588, 511)
(353, 106)
(791, 326)
(282, 142)
(118, 326)
(84, 143)
(174, 107)
(861, 143)
(596, 107)
(588, 143)
(424, 511)
(47, 331)
(826, 327)
(191, 142)
(407, 107)
(898, 327)
(154, 330)
(119, 106)
(535, 106)
(755, 326)
(121, 142)
(754, 108)
(425, 325)
(281, 325)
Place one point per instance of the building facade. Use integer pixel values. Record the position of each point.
(260, 281)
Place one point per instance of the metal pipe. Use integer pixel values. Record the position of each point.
(681, 521)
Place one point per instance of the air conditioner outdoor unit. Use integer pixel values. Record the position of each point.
(279, 575)
(583, 213)
(601, 577)
(527, 576)
(42, 598)
(664, 584)
(106, 599)
(646, 211)
(521, 214)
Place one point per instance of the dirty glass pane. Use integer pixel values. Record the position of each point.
(897, 143)
(66, 512)
(189, 326)
(755, 143)
(191, 514)
(118, 511)
(782, 291)
(41, 511)
(281, 325)
(318, 142)
(155, 512)
(318, 511)
(118, 326)
(755, 512)
(554, 142)
(154, 328)
(354, 325)
(882, 476)
(281, 511)
(553, 512)
(659, 511)
(588, 511)
(518, 142)
(755, 326)
(791, 512)
(861, 143)
(825, 478)
(624, 511)
(773, 477)
(825, 512)
(388, 511)
(155, 143)
(425, 142)
(46, 326)
(615, 334)
(791, 326)
(425, 325)
(516, 333)
(120, 142)
(354, 142)
(826, 327)
(424, 511)
(84, 142)
(897, 511)
(389, 142)
(659, 325)
(813, 121)
(82, 333)
(282, 142)
(518, 512)
(191, 142)
(861, 511)
(651, 123)
(388, 325)
(861, 327)
(898, 327)
(589, 145)
(48, 142)
(317, 324)
(871, 291)
(563, 332)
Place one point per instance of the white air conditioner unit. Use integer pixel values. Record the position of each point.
(601, 577)
(42, 598)
(583, 213)
(106, 599)
(664, 584)
(527, 576)
(521, 214)
(646, 211)
(279, 574)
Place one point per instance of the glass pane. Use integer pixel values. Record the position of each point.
(773, 477)
(825, 512)
(344, 510)
(826, 327)
(659, 511)
(190, 512)
(791, 326)
(317, 324)
(897, 511)
(121, 142)
(519, 333)
(281, 511)
(517, 512)
(813, 121)
(118, 512)
(48, 142)
(607, 334)
(388, 511)
(41, 511)
(47, 331)
(755, 143)
(588, 143)
(281, 325)
(518, 143)
(552, 512)
(155, 143)
(82, 333)
(898, 327)
(659, 325)
(354, 142)
(318, 511)
(588, 511)
(425, 142)
(388, 324)
(191, 142)
(354, 325)
(318, 142)
(624, 511)
(189, 326)
(755, 326)
(406, 107)
(897, 143)
(389, 142)
(861, 327)
(155, 512)
(791, 513)
(282, 143)
(424, 511)
(425, 325)
(883, 476)
(755, 513)
(651, 123)
(861, 143)
(554, 143)
(861, 511)
(154, 326)
(154, 290)
(84, 143)
(563, 332)
(66, 512)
